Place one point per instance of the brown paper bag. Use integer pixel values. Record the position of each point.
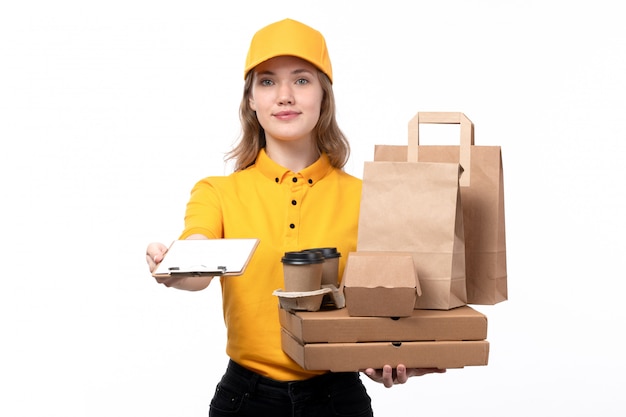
(482, 194)
(416, 207)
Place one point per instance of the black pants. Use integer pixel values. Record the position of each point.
(242, 392)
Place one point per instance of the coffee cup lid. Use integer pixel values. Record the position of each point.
(303, 257)
(327, 252)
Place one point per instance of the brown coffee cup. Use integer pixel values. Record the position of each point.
(302, 271)
(330, 270)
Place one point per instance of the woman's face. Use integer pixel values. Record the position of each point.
(286, 96)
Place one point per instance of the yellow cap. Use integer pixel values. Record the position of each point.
(289, 37)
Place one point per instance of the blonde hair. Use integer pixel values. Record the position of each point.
(328, 137)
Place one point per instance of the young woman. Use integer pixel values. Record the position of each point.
(290, 191)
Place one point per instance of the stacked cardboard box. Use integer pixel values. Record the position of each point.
(383, 332)
(333, 340)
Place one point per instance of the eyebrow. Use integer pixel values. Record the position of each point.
(294, 72)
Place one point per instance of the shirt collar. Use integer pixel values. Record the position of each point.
(277, 173)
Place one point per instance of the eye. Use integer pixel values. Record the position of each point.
(266, 82)
(302, 81)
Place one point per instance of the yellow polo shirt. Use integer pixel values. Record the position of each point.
(287, 211)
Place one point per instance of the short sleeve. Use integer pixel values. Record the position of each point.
(204, 211)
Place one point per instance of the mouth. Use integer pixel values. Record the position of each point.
(286, 115)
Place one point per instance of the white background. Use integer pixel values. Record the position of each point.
(110, 111)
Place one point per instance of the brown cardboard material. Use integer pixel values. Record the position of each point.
(482, 194)
(380, 284)
(411, 206)
(346, 357)
(308, 300)
(337, 326)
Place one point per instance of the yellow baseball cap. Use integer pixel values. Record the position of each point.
(289, 37)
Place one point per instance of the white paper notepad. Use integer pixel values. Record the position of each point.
(207, 257)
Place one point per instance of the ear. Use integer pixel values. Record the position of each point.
(251, 103)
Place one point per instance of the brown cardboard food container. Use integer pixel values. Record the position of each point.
(337, 326)
(346, 357)
(380, 284)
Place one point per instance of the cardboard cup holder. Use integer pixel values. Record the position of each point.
(310, 280)
(301, 300)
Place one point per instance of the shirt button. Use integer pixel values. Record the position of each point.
(310, 181)
(292, 226)
(293, 202)
(294, 179)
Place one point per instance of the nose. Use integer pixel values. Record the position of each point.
(285, 95)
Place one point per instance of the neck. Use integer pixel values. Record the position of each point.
(292, 155)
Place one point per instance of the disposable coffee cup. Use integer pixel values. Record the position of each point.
(330, 270)
(302, 271)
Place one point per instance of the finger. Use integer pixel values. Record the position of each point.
(401, 374)
(153, 262)
(156, 249)
(387, 376)
(374, 374)
(155, 252)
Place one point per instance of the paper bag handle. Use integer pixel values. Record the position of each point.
(467, 137)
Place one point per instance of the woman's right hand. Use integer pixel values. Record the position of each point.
(154, 254)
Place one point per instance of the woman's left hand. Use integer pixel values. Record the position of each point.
(389, 376)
